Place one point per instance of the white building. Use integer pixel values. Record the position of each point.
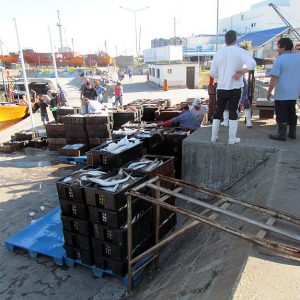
(177, 74)
(165, 53)
(261, 16)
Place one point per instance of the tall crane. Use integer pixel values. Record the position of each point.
(286, 22)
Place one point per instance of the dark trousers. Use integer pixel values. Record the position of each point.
(54, 113)
(286, 112)
(230, 98)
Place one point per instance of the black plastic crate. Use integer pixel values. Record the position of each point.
(141, 227)
(120, 268)
(78, 241)
(116, 219)
(73, 209)
(71, 192)
(149, 113)
(39, 142)
(85, 256)
(76, 225)
(26, 135)
(99, 119)
(107, 159)
(108, 200)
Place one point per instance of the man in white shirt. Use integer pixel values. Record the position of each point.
(228, 66)
(92, 106)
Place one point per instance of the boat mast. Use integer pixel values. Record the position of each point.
(53, 58)
(60, 33)
(24, 75)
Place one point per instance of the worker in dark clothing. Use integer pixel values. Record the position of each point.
(89, 92)
(43, 109)
(186, 120)
(53, 105)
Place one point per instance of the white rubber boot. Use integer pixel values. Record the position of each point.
(232, 132)
(248, 117)
(215, 130)
(225, 118)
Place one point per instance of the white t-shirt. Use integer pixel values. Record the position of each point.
(226, 62)
(94, 107)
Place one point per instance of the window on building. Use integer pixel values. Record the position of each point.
(153, 72)
(150, 71)
(242, 17)
(169, 71)
(253, 24)
(158, 73)
(224, 30)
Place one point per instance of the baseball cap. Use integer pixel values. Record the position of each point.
(196, 102)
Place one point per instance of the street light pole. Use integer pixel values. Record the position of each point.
(217, 41)
(135, 11)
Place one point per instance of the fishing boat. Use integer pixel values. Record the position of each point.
(12, 113)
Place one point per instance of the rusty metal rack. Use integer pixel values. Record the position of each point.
(216, 204)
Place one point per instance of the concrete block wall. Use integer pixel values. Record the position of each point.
(217, 165)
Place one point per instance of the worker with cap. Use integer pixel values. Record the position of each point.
(187, 120)
(199, 110)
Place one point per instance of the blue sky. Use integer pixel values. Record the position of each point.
(92, 22)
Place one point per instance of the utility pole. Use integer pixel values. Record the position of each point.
(175, 30)
(217, 37)
(73, 47)
(1, 50)
(140, 41)
(60, 32)
(135, 11)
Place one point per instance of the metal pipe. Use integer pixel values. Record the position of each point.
(144, 265)
(53, 58)
(129, 240)
(272, 212)
(280, 247)
(227, 212)
(24, 75)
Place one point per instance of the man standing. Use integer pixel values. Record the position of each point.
(285, 77)
(99, 91)
(228, 67)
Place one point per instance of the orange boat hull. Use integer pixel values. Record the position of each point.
(11, 114)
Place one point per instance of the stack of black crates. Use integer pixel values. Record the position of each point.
(120, 118)
(94, 220)
(98, 128)
(75, 129)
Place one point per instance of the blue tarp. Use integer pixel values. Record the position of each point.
(259, 38)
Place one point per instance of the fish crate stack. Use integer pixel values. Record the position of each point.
(121, 118)
(55, 135)
(75, 129)
(98, 127)
(114, 154)
(173, 146)
(107, 208)
(11, 146)
(149, 166)
(25, 135)
(75, 217)
(66, 110)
